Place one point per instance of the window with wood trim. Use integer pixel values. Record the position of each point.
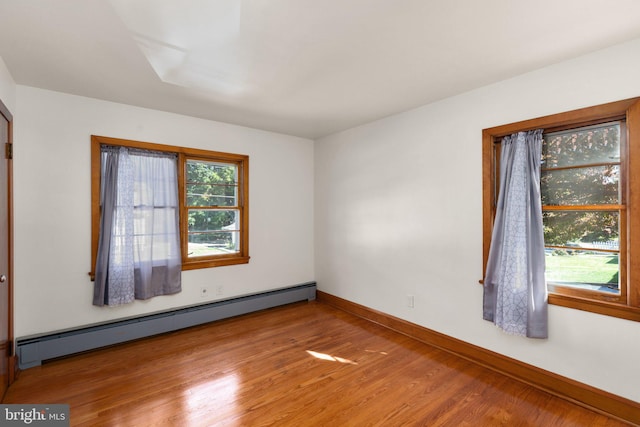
(214, 203)
(590, 185)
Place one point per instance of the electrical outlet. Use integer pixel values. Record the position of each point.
(204, 292)
(219, 290)
(410, 301)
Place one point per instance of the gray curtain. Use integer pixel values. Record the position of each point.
(109, 181)
(139, 246)
(515, 292)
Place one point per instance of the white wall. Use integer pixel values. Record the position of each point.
(7, 87)
(52, 207)
(398, 207)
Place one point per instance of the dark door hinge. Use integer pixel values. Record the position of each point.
(8, 151)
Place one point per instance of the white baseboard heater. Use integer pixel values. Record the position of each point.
(33, 350)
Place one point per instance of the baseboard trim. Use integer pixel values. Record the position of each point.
(562, 387)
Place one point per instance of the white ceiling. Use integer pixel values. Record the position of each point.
(300, 67)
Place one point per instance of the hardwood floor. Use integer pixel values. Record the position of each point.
(305, 364)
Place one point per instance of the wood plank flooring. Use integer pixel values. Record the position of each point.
(305, 364)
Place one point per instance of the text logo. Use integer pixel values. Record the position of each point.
(34, 415)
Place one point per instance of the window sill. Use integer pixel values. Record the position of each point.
(621, 311)
(605, 308)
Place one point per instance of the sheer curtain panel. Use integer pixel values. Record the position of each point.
(515, 292)
(139, 245)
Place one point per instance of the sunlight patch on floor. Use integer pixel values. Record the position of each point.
(324, 356)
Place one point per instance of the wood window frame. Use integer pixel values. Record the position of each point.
(628, 306)
(184, 154)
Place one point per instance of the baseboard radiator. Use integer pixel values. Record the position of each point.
(33, 350)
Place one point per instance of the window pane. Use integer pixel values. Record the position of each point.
(213, 232)
(211, 195)
(582, 146)
(211, 183)
(581, 186)
(213, 220)
(581, 260)
(213, 243)
(584, 229)
(591, 270)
